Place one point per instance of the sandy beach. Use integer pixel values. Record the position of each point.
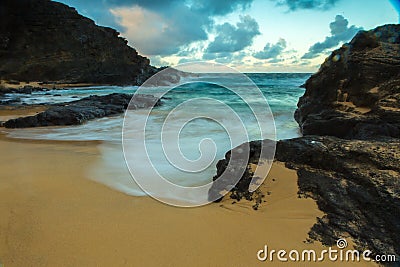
(184, 92)
(53, 214)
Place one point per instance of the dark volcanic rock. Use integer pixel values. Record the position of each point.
(80, 111)
(356, 183)
(356, 92)
(228, 168)
(41, 40)
(351, 166)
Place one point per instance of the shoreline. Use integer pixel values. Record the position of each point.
(54, 214)
(49, 86)
(68, 195)
(9, 112)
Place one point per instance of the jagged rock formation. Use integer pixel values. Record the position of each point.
(355, 182)
(41, 40)
(245, 154)
(350, 166)
(82, 110)
(356, 92)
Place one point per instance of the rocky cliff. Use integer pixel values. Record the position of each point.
(356, 92)
(350, 165)
(41, 40)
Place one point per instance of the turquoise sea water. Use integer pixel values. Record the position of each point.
(281, 90)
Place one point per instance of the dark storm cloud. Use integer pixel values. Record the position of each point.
(294, 5)
(232, 38)
(271, 51)
(340, 32)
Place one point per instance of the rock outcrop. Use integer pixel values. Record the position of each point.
(42, 40)
(351, 163)
(356, 92)
(355, 182)
(83, 110)
(245, 154)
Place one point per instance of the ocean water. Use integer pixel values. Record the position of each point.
(203, 140)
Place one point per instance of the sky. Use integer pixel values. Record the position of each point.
(248, 35)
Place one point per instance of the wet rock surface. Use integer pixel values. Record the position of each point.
(83, 110)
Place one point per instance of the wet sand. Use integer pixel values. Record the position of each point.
(53, 214)
(13, 112)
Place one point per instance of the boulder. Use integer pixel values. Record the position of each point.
(83, 110)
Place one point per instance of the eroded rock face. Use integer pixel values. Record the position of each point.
(356, 92)
(351, 165)
(355, 182)
(42, 40)
(83, 110)
(357, 185)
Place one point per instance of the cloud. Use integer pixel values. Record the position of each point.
(294, 5)
(226, 57)
(159, 27)
(212, 56)
(271, 51)
(340, 32)
(159, 61)
(231, 38)
(220, 7)
(275, 60)
(187, 59)
(191, 50)
(154, 34)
